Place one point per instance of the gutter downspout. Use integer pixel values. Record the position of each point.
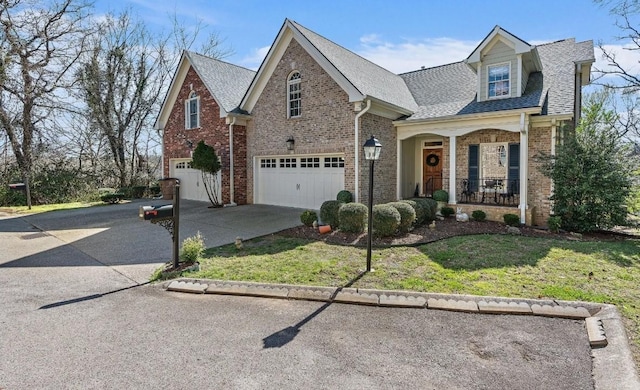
(231, 178)
(578, 96)
(357, 149)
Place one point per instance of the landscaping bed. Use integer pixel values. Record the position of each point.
(446, 228)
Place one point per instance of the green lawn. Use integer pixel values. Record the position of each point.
(48, 207)
(502, 265)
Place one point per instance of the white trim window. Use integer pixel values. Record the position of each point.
(192, 111)
(294, 96)
(498, 77)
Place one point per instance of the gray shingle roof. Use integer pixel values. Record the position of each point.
(451, 89)
(368, 78)
(226, 82)
(558, 61)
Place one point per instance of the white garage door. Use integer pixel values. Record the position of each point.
(191, 186)
(299, 181)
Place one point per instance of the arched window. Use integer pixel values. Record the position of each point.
(192, 111)
(294, 97)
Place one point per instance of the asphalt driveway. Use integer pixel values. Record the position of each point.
(75, 313)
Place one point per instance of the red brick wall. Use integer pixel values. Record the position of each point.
(213, 131)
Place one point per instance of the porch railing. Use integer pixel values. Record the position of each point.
(489, 190)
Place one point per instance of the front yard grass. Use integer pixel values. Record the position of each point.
(36, 209)
(500, 265)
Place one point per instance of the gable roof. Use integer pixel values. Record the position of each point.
(370, 79)
(450, 90)
(498, 33)
(225, 82)
(358, 77)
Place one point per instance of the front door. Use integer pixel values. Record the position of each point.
(431, 171)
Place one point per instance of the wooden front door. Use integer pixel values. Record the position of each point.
(431, 171)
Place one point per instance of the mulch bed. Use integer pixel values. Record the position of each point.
(448, 227)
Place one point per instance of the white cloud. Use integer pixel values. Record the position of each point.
(413, 54)
(255, 58)
(625, 55)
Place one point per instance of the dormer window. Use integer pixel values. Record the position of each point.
(294, 96)
(498, 76)
(192, 111)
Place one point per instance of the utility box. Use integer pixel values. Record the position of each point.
(150, 213)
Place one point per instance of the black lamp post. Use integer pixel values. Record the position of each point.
(372, 150)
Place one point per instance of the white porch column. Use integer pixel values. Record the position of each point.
(452, 170)
(524, 170)
(398, 169)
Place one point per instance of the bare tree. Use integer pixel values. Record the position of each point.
(39, 44)
(122, 82)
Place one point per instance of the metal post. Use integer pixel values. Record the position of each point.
(176, 224)
(370, 215)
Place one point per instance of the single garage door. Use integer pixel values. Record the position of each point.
(191, 186)
(299, 181)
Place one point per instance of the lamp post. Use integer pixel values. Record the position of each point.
(372, 150)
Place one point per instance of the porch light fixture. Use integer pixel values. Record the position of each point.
(290, 143)
(372, 149)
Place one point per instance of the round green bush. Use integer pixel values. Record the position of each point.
(478, 215)
(192, 248)
(353, 217)
(554, 223)
(308, 217)
(329, 213)
(344, 196)
(419, 210)
(386, 220)
(407, 215)
(432, 205)
(441, 196)
(447, 211)
(511, 219)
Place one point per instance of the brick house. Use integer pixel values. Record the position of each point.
(472, 128)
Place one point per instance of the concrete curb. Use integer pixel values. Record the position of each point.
(613, 365)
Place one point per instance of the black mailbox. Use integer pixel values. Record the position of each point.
(149, 213)
(17, 187)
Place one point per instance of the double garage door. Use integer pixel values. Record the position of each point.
(191, 186)
(298, 181)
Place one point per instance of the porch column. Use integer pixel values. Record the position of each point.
(452, 170)
(398, 169)
(524, 173)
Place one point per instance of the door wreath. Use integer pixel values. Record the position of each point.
(433, 160)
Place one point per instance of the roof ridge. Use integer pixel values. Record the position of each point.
(431, 67)
(296, 24)
(189, 52)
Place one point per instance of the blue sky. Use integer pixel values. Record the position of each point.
(400, 35)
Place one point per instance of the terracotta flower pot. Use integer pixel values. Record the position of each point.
(324, 229)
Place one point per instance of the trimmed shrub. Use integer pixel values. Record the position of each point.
(192, 249)
(344, 196)
(447, 211)
(308, 217)
(478, 215)
(112, 198)
(353, 217)
(511, 219)
(407, 215)
(419, 210)
(138, 191)
(441, 196)
(155, 191)
(329, 213)
(386, 220)
(554, 223)
(432, 204)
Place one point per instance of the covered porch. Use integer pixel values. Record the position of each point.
(482, 164)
